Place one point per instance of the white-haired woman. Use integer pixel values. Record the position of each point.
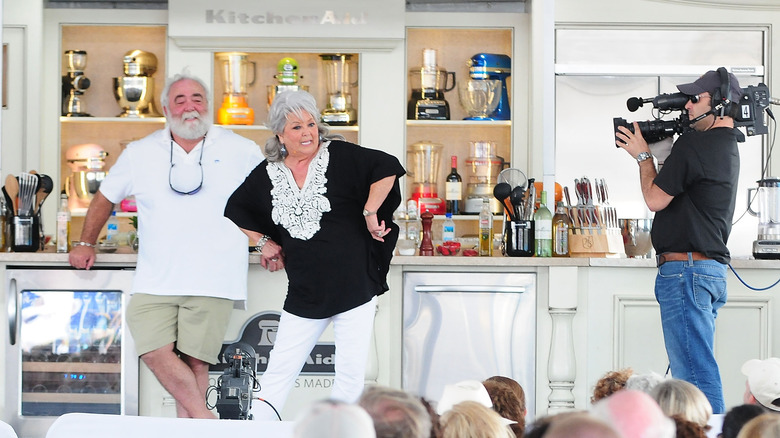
(321, 208)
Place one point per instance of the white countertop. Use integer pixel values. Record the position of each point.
(124, 257)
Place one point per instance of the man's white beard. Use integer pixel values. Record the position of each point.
(190, 130)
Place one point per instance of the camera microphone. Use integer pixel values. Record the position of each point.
(634, 103)
(674, 101)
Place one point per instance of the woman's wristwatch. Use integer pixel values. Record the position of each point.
(261, 243)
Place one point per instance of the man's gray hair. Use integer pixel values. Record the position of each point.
(185, 74)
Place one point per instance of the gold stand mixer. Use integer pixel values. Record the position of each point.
(135, 90)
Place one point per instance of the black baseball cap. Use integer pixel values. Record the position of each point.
(708, 83)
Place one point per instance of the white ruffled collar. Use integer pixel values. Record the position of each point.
(299, 211)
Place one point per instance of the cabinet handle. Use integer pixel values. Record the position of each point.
(470, 289)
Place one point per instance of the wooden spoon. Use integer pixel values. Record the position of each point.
(12, 188)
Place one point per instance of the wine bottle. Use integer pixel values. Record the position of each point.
(453, 188)
(561, 225)
(543, 224)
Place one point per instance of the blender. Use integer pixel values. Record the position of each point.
(493, 66)
(287, 75)
(483, 167)
(423, 163)
(429, 83)
(767, 244)
(135, 90)
(339, 110)
(235, 109)
(86, 162)
(74, 83)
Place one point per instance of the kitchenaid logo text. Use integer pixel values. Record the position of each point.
(221, 16)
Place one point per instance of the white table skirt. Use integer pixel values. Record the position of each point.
(127, 426)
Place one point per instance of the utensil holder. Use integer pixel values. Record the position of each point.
(519, 238)
(25, 234)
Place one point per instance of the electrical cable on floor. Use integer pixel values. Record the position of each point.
(749, 286)
(272, 407)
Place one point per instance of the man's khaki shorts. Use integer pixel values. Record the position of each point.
(196, 325)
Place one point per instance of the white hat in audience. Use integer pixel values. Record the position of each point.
(763, 378)
(334, 419)
(466, 390)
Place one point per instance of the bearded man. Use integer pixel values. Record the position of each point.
(192, 261)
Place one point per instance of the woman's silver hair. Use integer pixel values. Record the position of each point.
(286, 103)
(185, 74)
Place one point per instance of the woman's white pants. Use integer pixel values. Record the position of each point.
(295, 339)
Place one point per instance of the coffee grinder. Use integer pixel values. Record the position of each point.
(339, 110)
(235, 108)
(493, 66)
(287, 75)
(483, 167)
(134, 92)
(767, 244)
(429, 83)
(74, 83)
(423, 167)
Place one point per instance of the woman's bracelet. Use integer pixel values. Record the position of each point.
(81, 243)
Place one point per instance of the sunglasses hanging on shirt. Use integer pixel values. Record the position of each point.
(186, 178)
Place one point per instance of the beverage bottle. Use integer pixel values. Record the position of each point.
(413, 227)
(453, 188)
(448, 228)
(63, 224)
(485, 229)
(112, 227)
(543, 224)
(561, 225)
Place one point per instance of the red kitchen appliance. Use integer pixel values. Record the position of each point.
(423, 167)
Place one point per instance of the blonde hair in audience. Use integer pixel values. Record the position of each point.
(678, 397)
(473, 420)
(763, 426)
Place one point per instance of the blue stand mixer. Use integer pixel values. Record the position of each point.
(493, 66)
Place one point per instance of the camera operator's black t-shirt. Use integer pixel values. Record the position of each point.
(701, 173)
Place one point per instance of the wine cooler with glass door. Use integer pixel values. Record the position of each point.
(68, 347)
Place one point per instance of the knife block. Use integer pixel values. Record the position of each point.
(600, 242)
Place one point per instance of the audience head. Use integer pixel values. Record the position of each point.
(507, 402)
(334, 419)
(434, 416)
(470, 419)
(466, 390)
(763, 383)
(737, 417)
(678, 397)
(644, 382)
(634, 414)
(763, 426)
(396, 413)
(610, 383)
(688, 429)
(580, 425)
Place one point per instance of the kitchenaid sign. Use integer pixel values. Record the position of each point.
(260, 332)
(292, 19)
(222, 16)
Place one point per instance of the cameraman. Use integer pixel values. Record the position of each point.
(693, 196)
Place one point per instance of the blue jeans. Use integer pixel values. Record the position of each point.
(690, 294)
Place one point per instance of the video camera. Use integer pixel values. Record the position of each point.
(236, 384)
(752, 104)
